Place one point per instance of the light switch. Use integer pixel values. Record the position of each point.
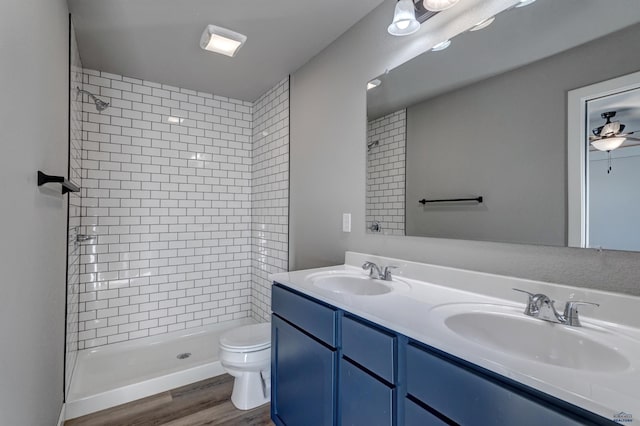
(346, 222)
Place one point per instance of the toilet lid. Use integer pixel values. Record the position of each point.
(247, 338)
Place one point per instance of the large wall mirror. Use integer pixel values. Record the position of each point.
(470, 142)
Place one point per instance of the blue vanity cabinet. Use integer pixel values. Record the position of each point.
(368, 374)
(303, 360)
(330, 367)
(446, 389)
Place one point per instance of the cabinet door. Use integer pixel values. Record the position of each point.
(302, 374)
(364, 400)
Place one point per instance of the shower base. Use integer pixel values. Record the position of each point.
(122, 372)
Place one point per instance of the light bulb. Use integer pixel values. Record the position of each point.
(403, 25)
(438, 5)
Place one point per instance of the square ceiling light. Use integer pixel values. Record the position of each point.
(221, 40)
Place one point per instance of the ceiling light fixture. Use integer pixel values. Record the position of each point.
(608, 144)
(484, 24)
(373, 84)
(221, 40)
(438, 5)
(404, 19)
(441, 46)
(524, 3)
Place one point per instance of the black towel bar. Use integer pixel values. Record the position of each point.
(452, 200)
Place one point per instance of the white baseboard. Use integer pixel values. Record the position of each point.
(61, 418)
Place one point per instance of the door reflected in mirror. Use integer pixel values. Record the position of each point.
(487, 118)
(609, 196)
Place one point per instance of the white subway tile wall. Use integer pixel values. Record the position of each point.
(167, 190)
(270, 195)
(75, 175)
(386, 173)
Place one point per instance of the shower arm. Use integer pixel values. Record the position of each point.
(91, 95)
(99, 103)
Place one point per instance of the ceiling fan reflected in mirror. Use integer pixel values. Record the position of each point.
(610, 136)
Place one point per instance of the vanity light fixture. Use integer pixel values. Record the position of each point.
(221, 40)
(608, 144)
(482, 25)
(438, 5)
(441, 46)
(175, 120)
(373, 84)
(524, 3)
(404, 19)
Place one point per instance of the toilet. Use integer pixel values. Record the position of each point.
(245, 353)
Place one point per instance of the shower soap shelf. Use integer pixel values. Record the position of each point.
(67, 186)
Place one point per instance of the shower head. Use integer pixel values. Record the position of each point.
(100, 104)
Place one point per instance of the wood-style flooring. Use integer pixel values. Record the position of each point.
(203, 403)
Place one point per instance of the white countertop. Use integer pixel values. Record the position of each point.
(415, 311)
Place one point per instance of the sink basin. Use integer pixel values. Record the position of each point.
(356, 284)
(507, 330)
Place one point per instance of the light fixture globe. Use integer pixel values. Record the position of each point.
(404, 19)
(438, 5)
(608, 144)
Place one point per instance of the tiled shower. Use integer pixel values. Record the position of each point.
(186, 196)
(386, 145)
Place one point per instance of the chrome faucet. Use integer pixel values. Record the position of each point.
(374, 270)
(376, 273)
(541, 306)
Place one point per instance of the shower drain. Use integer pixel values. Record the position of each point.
(183, 355)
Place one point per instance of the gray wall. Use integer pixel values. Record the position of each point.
(504, 138)
(328, 156)
(34, 115)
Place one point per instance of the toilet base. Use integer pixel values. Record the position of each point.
(250, 390)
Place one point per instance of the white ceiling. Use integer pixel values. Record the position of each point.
(158, 40)
(517, 37)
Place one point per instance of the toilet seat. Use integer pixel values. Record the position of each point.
(249, 338)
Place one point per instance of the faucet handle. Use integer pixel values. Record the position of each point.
(366, 265)
(386, 274)
(524, 291)
(532, 307)
(373, 269)
(571, 312)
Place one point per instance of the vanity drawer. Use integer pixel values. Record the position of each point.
(314, 317)
(470, 398)
(370, 347)
(415, 415)
(364, 400)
